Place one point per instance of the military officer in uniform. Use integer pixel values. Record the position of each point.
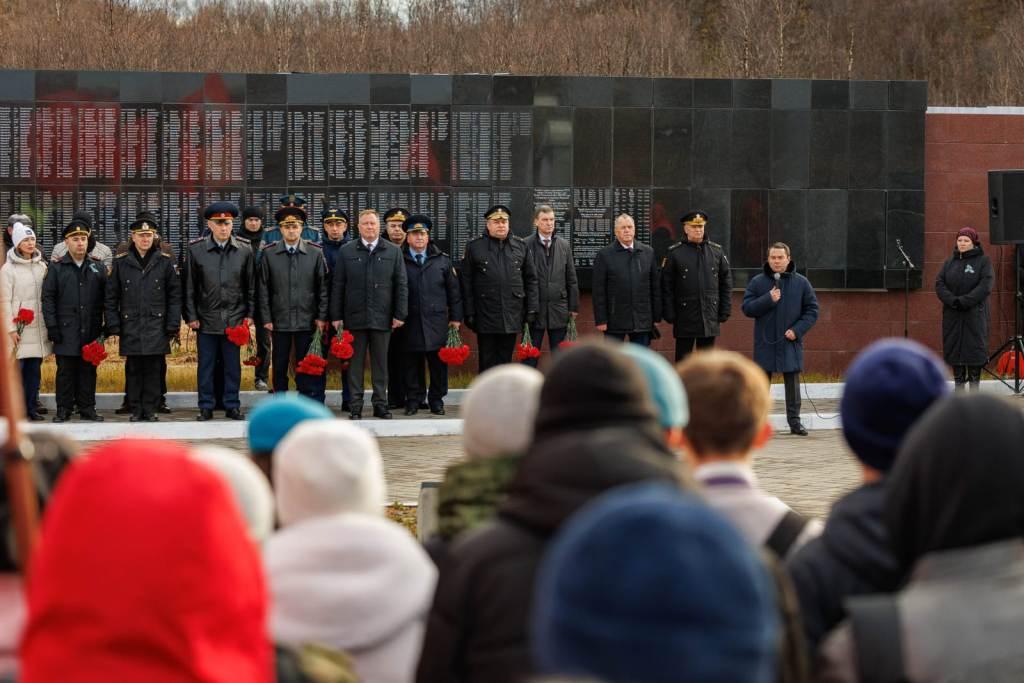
(696, 287)
(499, 288)
(435, 303)
(334, 223)
(220, 292)
(292, 201)
(143, 308)
(394, 221)
(252, 231)
(292, 295)
(73, 292)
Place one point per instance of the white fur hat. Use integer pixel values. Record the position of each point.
(499, 411)
(250, 488)
(20, 232)
(324, 467)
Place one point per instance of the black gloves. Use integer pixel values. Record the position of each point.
(54, 336)
(471, 322)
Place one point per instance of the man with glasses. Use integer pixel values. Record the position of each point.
(220, 292)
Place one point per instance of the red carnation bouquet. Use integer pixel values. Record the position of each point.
(239, 334)
(341, 344)
(571, 337)
(455, 351)
(95, 352)
(313, 363)
(21, 321)
(525, 349)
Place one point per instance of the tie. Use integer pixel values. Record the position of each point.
(419, 259)
(547, 243)
(291, 251)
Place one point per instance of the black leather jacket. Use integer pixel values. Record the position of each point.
(143, 303)
(292, 291)
(73, 303)
(220, 284)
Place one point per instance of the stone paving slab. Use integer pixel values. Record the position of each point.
(809, 472)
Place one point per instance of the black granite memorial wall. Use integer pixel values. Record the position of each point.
(834, 168)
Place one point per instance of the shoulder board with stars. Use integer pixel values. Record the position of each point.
(267, 245)
(197, 240)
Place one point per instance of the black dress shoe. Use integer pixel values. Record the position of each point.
(382, 413)
(90, 416)
(163, 409)
(41, 409)
(437, 410)
(36, 417)
(346, 407)
(411, 410)
(234, 414)
(355, 415)
(150, 418)
(204, 415)
(125, 409)
(61, 416)
(797, 429)
(423, 405)
(136, 417)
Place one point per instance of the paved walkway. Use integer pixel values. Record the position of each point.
(808, 472)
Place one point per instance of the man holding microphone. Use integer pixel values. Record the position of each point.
(784, 308)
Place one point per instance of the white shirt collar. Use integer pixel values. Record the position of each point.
(370, 245)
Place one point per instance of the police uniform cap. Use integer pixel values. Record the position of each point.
(418, 222)
(77, 226)
(396, 215)
(498, 211)
(285, 212)
(252, 212)
(694, 217)
(292, 199)
(333, 214)
(220, 210)
(144, 222)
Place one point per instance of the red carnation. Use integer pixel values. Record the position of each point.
(454, 352)
(94, 352)
(238, 335)
(570, 334)
(525, 349)
(341, 345)
(25, 317)
(313, 363)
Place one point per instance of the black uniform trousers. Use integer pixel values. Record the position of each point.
(555, 337)
(376, 342)
(76, 384)
(396, 369)
(495, 349)
(282, 344)
(792, 382)
(685, 345)
(415, 379)
(262, 352)
(142, 383)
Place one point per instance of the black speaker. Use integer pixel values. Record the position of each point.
(1006, 207)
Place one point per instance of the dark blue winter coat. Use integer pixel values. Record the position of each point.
(434, 300)
(796, 310)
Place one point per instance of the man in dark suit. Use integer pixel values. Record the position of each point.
(627, 287)
(559, 293)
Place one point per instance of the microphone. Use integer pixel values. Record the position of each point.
(776, 276)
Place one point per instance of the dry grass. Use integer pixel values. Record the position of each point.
(404, 515)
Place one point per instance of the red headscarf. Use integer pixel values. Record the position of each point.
(145, 573)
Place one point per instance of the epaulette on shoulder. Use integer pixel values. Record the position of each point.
(197, 240)
(267, 245)
(674, 246)
(164, 253)
(121, 255)
(714, 244)
(96, 258)
(315, 244)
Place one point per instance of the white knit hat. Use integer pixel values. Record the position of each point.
(324, 467)
(20, 232)
(248, 484)
(499, 411)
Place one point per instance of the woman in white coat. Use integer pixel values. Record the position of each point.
(21, 287)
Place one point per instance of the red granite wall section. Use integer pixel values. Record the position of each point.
(960, 149)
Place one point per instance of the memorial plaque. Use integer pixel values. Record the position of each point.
(16, 143)
(224, 143)
(182, 144)
(812, 162)
(140, 144)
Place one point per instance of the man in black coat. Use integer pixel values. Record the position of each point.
(252, 231)
(627, 287)
(558, 291)
(370, 296)
(499, 288)
(696, 287)
(435, 303)
(220, 292)
(292, 296)
(394, 230)
(334, 236)
(73, 292)
(143, 307)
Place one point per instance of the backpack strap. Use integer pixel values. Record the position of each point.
(875, 627)
(785, 533)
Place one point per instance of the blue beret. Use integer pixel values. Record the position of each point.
(664, 385)
(272, 419)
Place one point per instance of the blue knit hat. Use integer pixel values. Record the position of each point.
(274, 417)
(649, 585)
(888, 386)
(663, 382)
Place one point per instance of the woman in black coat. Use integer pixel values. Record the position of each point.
(964, 284)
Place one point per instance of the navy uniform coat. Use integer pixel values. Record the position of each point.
(434, 300)
(796, 310)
